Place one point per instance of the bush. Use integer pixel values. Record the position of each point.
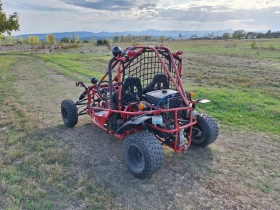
(100, 42)
(65, 40)
(50, 39)
(253, 44)
(85, 41)
(72, 46)
(136, 44)
(161, 39)
(33, 40)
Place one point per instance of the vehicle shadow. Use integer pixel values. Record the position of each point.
(99, 155)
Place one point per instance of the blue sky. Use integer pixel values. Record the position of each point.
(46, 16)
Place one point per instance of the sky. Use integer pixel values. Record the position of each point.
(46, 16)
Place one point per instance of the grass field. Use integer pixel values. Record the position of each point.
(245, 92)
(264, 49)
(35, 169)
(47, 166)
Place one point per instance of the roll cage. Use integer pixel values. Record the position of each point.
(144, 63)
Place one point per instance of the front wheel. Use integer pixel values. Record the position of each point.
(205, 132)
(143, 154)
(69, 113)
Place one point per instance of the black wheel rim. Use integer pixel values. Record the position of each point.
(64, 114)
(197, 134)
(135, 157)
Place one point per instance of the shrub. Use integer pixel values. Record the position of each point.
(75, 39)
(21, 40)
(10, 40)
(50, 39)
(85, 41)
(136, 44)
(33, 40)
(161, 39)
(65, 40)
(100, 42)
(253, 44)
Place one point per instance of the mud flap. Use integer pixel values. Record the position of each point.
(134, 122)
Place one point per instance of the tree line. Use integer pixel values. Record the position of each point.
(50, 39)
(239, 34)
(34, 40)
(131, 38)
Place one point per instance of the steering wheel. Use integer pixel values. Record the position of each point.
(103, 92)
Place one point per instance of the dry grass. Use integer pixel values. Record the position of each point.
(35, 170)
(47, 166)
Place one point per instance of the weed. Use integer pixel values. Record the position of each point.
(253, 44)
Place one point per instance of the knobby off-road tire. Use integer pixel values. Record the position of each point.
(143, 154)
(69, 113)
(205, 132)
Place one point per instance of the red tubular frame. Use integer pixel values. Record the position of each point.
(100, 121)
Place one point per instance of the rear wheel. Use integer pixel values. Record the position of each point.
(205, 132)
(69, 113)
(143, 154)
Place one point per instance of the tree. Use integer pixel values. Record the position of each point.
(21, 40)
(226, 35)
(2, 38)
(116, 39)
(8, 24)
(33, 40)
(100, 42)
(65, 40)
(50, 39)
(161, 39)
(128, 38)
(75, 39)
(238, 34)
(105, 42)
(268, 34)
(93, 41)
(11, 40)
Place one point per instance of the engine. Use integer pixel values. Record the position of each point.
(167, 99)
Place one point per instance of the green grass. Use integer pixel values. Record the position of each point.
(234, 107)
(241, 96)
(88, 65)
(35, 170)
(232, 48)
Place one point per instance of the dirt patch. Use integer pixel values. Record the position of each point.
(233, 173)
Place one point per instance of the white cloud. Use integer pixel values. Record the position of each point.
(96, 15)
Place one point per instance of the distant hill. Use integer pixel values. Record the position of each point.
(151, 32)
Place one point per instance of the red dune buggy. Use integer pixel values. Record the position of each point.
(141, 98)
